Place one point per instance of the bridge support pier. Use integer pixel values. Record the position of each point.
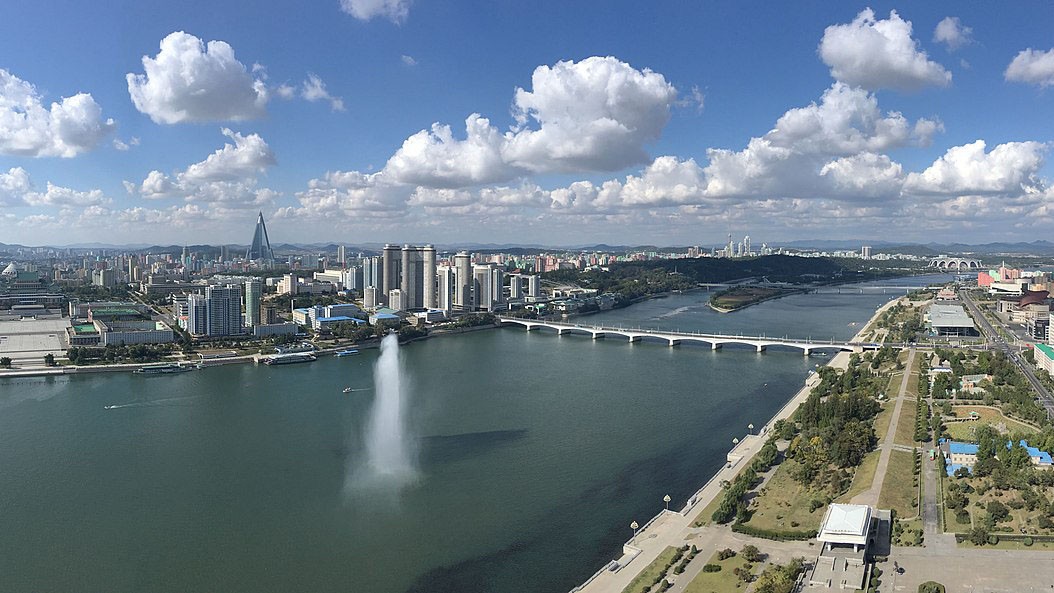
(560, 331)
(715, 346)
(674, 343)
(529, 327)
(634, 339)
(807, 351)
(761, 348)
(598, 336)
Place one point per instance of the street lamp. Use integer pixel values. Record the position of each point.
(667, 499)
(750, 427)
(634, 527)
(735, 441)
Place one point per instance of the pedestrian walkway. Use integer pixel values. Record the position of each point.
(870, 496)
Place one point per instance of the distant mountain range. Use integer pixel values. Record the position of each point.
(923, 249)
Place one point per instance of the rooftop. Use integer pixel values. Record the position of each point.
(846, 519)
(949, 316)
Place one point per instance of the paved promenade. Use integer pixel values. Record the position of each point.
(870, 496)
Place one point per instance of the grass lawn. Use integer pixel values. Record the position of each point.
(897, 489)
(911, 534)
(658, 567)
(783, 504)
(906, 424)
(883, 419)
(865, 475)
(989, 415)
(703, 518)
(722, 581)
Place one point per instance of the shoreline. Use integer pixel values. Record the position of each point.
(668, 528)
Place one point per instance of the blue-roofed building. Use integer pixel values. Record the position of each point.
(319, 323)
(965, 455)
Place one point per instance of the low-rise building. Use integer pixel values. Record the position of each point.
(1044, 355)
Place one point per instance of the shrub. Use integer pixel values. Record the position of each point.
(751, 553)
(711, 567)
(931, 587)
(1027, 541)
(962, 517)
(726, 554)
(993, 539)
(815, 504)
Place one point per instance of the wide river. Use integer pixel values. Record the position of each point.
(535, 452)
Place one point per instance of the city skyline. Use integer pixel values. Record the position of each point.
(688, 122)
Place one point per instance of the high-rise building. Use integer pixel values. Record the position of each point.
(260, 248)
(268, 314)
(497, 285)
(253, 292)
(371, 272)
(391, 259)
(865, 252)
(395, 299)
(342, 255)
(463, 282)
(444, 287)
(534, 286)
(483, 287)
(197, 315)
(224, 310)
(515, 287)
(369, 297)
(411, 281)
(428, 255)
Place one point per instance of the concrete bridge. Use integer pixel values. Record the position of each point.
(715, 341)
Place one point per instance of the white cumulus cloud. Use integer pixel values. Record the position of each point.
(1009, 168)
(314, 89)
(594, 115)
(364, 10)
(65, 128)
(1032, 67)
(228, 176)
(878, 54)
(191, 81)
(952, 33)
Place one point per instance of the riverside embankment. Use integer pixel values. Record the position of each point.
(674, 528)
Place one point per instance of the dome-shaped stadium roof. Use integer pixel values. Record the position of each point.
(1033, 297)
(10, 270)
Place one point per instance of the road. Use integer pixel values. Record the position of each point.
(1000, 343)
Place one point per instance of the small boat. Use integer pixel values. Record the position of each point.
(344, 353)
(163, 369)
(347, 390)
(293, 358)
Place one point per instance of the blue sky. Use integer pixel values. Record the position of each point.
(661, 122)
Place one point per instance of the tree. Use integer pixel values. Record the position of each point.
(49, 359)
(750, 553)
(997, 511)
(978, 535)
(5, 361)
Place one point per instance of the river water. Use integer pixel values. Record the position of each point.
(534, 454)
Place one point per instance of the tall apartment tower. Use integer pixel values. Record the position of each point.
(253, 292)
(497, 285)
(197, 315)
(463, 282)
(411, 282)
(534, 286)
(224, 310)
(342, 255)
(515, 287)
(371, 272)
(390, 261)
(483, 286)
(444, 288)
(428, 257)
(865, 252)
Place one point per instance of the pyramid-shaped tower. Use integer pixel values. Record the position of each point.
(261, 245)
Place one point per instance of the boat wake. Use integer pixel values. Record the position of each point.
(157, 403)
(676, 311)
